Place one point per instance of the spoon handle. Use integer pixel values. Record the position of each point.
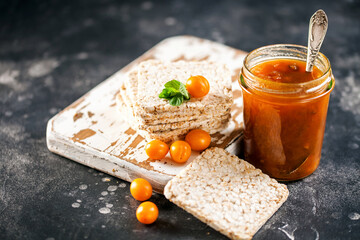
(317, 30)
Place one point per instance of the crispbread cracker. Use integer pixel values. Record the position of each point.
(153, 74)
(129, 93)
(227, 193)
(210, 121)
(186, 124)
(191, 124)
(169, 117)
(179, 134)
(166, 136)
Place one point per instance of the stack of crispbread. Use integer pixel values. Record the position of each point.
(227, 193)
(155, 118)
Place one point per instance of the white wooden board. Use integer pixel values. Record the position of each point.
(92, 130)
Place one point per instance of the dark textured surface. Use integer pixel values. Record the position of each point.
(52, 52)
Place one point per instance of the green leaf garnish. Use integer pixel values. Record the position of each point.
(184, 92)
(173, 84)
(166, 93)
(177, 100)
(175, 92)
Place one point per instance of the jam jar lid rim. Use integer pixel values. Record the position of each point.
(287, 45)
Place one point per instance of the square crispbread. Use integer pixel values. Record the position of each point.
(153, 74)
(210, 126)
(169, 117)
(179, 134)
(167, 135)
(159, 125)
(227, 193)
(129, 93)
(191, 124)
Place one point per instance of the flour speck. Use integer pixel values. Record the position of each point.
(336, 215)
(82, 56)
(87, 23)
(350, 98)
(43, 67)
(103, 226)
(353, 146)
(146, 5)
(53, 111)
(288, 231)
(170, 21)
(49, 81)
(104, 193)
(104, 210)
(316, 233)
(9, 78)
(122, 185)
(112, 193)
(79, 201)
(106, 179)
(218, 37)
(109, 205)
(24, 97)
(354, 216)
(14, 131)
(112, 188)
(83, 187)
(75, 205)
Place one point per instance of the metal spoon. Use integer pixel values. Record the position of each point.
(317, 30)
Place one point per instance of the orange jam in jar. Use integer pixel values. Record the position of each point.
(285, 110)
(285, 71)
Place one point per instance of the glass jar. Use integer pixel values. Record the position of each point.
(284, 123)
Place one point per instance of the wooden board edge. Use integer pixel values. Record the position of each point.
(107, 163)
